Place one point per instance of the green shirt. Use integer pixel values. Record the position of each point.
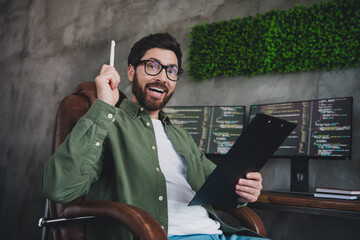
(111, 154)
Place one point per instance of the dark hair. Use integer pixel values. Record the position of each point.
(158, 40)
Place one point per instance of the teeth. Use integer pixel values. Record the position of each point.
(157, 89)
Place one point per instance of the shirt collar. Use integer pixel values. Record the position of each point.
(133, 110)
(163, 117)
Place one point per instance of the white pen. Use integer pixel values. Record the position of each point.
(112, 53)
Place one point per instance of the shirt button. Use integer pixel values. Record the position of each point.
(113, 120)
(161, 198)
(147, 124)
(163, 227)
(110, 115)
(97, 144)
(153, 147)
(141, 109)
(157, 169)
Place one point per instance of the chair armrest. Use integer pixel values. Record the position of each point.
(140, 223)
(247, 217)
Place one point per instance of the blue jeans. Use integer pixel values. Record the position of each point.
(212, 237)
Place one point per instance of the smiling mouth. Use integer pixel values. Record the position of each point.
(158, 90)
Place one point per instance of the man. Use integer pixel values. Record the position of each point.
(133, 154)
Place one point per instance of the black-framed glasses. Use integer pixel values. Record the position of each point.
(153, 68)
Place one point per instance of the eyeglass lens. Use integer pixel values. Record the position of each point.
(154, 68)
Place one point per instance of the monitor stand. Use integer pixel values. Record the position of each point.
(299, 174)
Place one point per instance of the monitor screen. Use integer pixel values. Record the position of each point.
(214, 128)
(323, 127)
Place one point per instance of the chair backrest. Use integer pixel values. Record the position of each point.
(71, 109)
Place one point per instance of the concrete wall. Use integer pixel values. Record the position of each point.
(48, 47)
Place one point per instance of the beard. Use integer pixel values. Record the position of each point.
(147, 101)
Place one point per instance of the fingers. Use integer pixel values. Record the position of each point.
(106, 85)
(247, 194)
(108, 75)
(249, 189)
(256, 176)
(104, 67)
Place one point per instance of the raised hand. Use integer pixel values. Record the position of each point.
(106, 85)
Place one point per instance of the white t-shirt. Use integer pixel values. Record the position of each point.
(183, 219)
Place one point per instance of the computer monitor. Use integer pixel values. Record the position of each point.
(324, 131)
(213, 128)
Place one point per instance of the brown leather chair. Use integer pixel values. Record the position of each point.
(66, 218)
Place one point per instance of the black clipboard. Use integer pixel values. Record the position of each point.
(258, 142)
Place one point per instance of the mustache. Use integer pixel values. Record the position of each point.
(157, 84)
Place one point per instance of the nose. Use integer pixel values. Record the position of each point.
(162, 75)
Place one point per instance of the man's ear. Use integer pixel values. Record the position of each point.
(131, 72)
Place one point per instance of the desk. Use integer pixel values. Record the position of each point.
(307, 203)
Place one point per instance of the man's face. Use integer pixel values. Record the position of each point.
(153, 92)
